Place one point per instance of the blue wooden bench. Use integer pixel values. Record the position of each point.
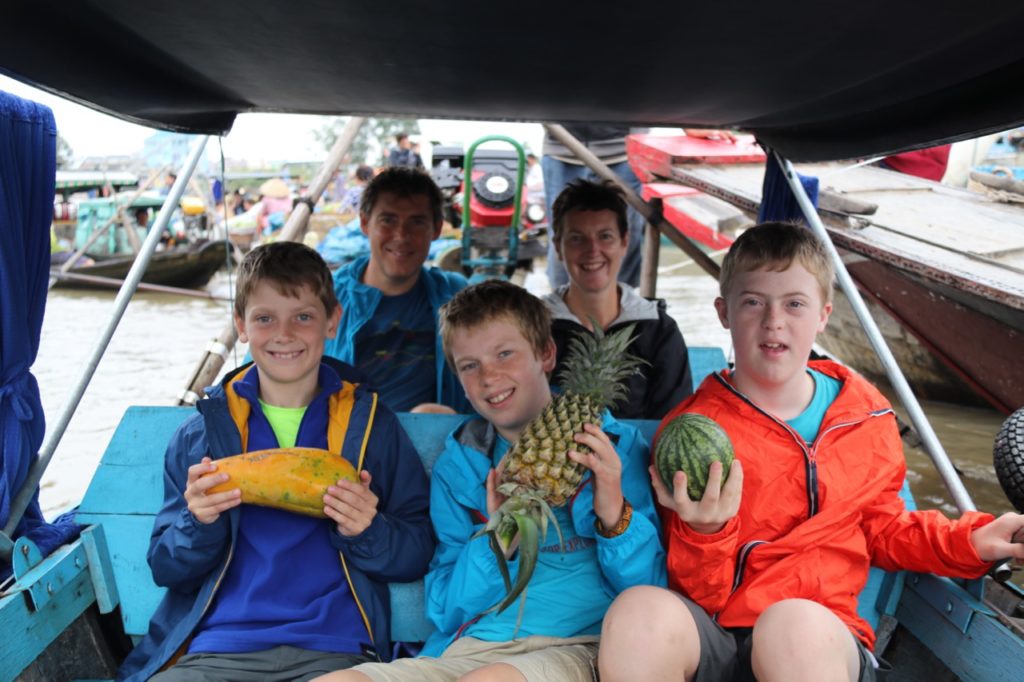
(127, 491)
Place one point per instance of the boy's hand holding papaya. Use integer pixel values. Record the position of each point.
(351, 506)
(719, 504)
(208, 508)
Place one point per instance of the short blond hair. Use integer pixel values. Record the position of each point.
(492, 300)
(775, 246)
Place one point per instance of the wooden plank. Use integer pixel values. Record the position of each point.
(654, 155)
(128, 542)
(908, 248)
(988, 652)
(125, 480)
(27, 633)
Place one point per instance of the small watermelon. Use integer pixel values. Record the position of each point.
(690, 443)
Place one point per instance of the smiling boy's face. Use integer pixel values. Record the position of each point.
(286, 339)
(773, 318)
(504, 379)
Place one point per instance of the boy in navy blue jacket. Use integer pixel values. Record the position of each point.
(260, 593)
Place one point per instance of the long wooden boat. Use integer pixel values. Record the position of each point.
(862, 88)
(188, 266)
(942, 269)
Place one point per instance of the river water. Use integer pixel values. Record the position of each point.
(162, 336)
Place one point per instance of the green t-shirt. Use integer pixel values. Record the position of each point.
(284, 421)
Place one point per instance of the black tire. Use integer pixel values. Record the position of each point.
(1008, 458)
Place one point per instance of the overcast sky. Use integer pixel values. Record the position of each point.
(254, 137)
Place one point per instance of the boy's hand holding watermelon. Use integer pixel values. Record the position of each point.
(710, 513)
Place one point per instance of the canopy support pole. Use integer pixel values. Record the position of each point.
(930, 441)
(124, 295)
(210, 364)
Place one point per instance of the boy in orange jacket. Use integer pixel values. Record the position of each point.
(764, 572)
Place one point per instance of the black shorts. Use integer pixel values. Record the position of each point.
(725, 652)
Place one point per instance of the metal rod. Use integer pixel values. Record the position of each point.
(930, 441)
(641, 206)
(299, 217)
(209, 364)
(35, 474)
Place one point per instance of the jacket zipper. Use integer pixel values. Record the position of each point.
(810, 464)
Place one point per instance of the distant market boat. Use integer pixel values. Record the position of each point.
(107, 234)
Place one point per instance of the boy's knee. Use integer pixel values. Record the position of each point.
(495, 672)
(644, 609)
(802, 635)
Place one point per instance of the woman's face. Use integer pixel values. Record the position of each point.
(592, 248)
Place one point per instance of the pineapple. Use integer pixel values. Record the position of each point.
(538, 473)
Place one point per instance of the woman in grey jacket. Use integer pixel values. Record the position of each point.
(591, 237)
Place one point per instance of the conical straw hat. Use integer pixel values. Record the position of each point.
(275, 187)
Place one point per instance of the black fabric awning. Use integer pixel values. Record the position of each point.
(816, 80)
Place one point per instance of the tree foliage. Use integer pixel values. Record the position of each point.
(64, 153)
(373, 140)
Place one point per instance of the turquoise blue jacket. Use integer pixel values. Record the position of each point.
(359, 302)
(464, 579)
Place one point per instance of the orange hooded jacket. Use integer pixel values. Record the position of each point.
(813, 518)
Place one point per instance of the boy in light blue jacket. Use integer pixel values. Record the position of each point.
(497, 338)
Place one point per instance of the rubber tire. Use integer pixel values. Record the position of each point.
(1008, 458)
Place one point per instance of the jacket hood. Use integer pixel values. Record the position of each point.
(632, 306)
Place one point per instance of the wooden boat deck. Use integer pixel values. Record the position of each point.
(954, 236)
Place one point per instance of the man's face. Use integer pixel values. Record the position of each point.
(400, 230)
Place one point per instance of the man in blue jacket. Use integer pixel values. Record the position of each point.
(255, 593)
(390, 299)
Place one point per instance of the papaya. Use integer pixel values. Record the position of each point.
(292, 479)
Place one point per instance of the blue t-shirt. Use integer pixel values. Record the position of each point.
(396, 349)
(808, 422)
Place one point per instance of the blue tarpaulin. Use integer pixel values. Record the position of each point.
(777, 200)
(28, 142)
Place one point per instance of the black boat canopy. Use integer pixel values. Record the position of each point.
(815, 79)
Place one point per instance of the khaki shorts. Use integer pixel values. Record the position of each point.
(539, 659)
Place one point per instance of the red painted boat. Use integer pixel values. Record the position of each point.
(941, 268)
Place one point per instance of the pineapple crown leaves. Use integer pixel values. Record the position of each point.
(526, 515)
(598, 362)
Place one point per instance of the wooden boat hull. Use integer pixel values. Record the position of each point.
(188, 267)
(951, 346)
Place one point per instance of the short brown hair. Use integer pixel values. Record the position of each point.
(491, 300)
(404, 182)
(775, 246)
(289, 266)
(586, 195)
